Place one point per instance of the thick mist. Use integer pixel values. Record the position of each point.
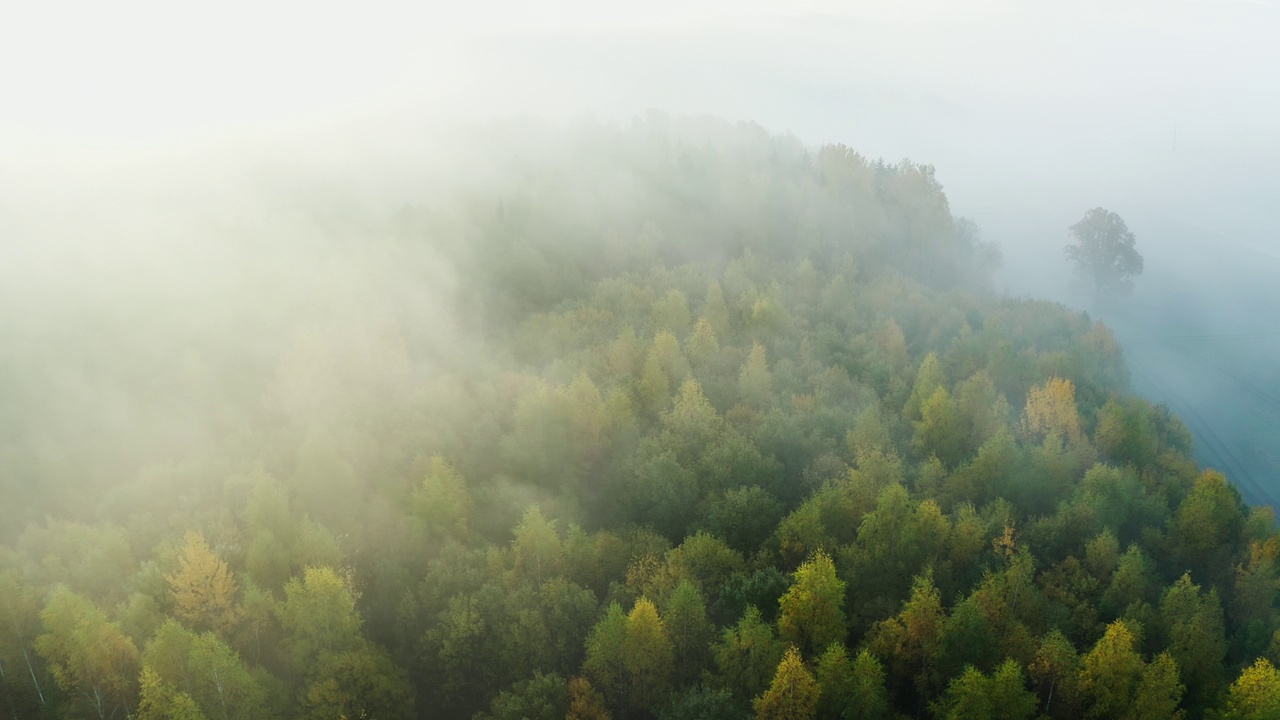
(510, 361)
(200, 178)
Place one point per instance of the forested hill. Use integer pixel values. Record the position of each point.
(675, 420)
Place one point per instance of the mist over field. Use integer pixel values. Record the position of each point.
(631, 317)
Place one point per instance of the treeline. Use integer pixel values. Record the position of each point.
(712, 426)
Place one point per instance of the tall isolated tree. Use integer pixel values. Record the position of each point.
(1104, 253)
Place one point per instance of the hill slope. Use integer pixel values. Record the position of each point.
(678, 419)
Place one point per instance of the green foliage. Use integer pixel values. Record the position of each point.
(690, 631)
(700, 702)
(747, 655)
(812, 610)
(1111, 672)
(605, 663)
(870, 700)
(1191, 625)
(793, 694)
(1056, 672)
(1159, 692)
(205, 671)
(941, 430)
(159, 701)
(91, 660)
(834, 673)
(762, 398)
(975, 695)
(543, 697)
(1255, 695)
(755, 383)
(744, 517)
(442, 503)
(647, 656)
(1103, 251)
(1207, 526)
(319, 613)
(536, 552)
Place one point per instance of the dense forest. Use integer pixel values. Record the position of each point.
(674, 419)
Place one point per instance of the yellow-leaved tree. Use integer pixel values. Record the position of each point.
(1051, 409)
(793, 694)
(204, 590)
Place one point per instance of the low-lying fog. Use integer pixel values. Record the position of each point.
(138, 136)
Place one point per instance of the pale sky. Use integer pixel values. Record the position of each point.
(137, 71)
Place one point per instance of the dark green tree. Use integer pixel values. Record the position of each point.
(1104, 254)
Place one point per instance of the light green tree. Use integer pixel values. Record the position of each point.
(319, 617)
(812, 610)
(1255, 695)
(747, 654)
(755, 382)
(648, 656)
(793, 694)
(88, 655)
(1110, 672)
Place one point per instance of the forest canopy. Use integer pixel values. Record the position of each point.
(674, 419)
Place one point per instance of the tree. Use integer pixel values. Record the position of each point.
(19, 622)
(1056, 669)
(160, 701)
(536, 551)
(542, 697)
(812, 610)
(1051, 409)
(204, 590)
(584, 702)
(1255, 695)
(690, 631)
(703, 346)
(1159, 691)
(1206, 529)
(1111, 672)
(835, 681)
(1104, 253)
(911, 641)
(967, 696)
(360, 683)
(89, 657)
(441, 502)
(606, 653)
(647, 655)
(793, 694)
(755, 383)
(870, 699)
(974, 696)
(941, 430)
(1193, 630)
(747, 654)
(319, 613)
(202, 669)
